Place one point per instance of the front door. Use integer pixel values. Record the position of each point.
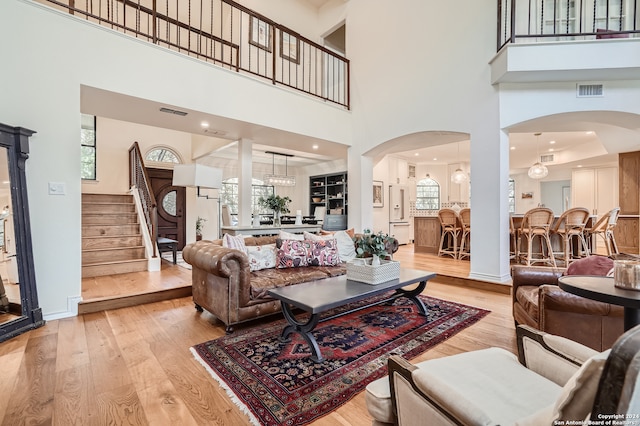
(171, 205)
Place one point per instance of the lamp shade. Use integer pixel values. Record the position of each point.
(197, 175)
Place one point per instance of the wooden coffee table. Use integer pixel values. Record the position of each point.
(317, 297)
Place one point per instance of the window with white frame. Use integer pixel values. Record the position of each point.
(428, 194)
(88, 147)
(162, 155)
(229, 194)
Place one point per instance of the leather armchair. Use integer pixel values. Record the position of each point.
(540, 303)
(552, 381)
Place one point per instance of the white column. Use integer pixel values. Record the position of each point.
(245, 174)
(490, 204)
(360, 183)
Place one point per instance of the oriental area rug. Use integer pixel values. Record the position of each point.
(276, 383)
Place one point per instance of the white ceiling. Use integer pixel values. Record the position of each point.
(573, 145)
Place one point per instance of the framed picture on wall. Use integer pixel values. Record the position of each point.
(378, 194)
(260, 33)
(289, 47)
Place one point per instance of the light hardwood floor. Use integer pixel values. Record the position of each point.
(133, 365)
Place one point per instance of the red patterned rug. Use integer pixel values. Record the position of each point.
(276, 383)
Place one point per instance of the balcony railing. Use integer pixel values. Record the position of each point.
(227, 34)
(559, 20)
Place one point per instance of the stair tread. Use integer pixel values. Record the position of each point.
(113, 248)
(114, 262)
(113, 236)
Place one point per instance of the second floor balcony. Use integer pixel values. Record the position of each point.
(227, 34)
(567, 40)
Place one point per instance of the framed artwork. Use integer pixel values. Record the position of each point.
(289, 47)
(378, 194)
(260, 33)
(527, 195)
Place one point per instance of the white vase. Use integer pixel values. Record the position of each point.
(376, 260)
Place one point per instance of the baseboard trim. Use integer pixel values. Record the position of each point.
(468, 282)
(72, 310)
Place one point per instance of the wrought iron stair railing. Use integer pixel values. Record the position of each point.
(139, 180)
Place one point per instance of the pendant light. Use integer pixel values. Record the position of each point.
(279, 180)
(538, 170)
(459, 176)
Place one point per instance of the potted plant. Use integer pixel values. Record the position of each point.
(278, 204)
(373, 245)
(199, 225)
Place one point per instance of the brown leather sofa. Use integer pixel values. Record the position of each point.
(224, 285)
(540, 303)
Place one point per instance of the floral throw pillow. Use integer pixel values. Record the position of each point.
(262, 257)
(323, 253)
(292, 253)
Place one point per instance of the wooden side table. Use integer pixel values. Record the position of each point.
(166, 244)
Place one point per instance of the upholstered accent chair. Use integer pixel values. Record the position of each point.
(552, 379)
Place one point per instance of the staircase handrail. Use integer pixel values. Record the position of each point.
(139, 179)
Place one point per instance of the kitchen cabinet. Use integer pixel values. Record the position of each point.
(595, 189)
(330, 191)
(426, 235)
(627, 232)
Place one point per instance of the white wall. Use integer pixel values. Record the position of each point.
(41, 91)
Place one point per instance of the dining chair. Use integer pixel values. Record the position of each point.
(570, 226)
(604, 228)
(465, 240)
(450, 232)
(536, 225)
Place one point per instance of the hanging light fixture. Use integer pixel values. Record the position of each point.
(459, 176)
(279, 180)
(538, 170)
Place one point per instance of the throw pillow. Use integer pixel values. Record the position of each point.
(292, 253)
(232, 242)
(592, 265)
(577, 405)
(289, 236)
(314, 237)
(262, 257)
(350, 231)
(346, 247)
(323, 253)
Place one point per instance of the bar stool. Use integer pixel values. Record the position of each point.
(604, 228)
(513, 251)
(536, 223)
(571, 225)
(449, 224)
(465, 241)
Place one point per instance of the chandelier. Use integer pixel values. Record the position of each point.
(538, 170)
(275, 179)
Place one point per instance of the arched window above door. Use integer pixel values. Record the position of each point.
(428, 194)
(160, 155)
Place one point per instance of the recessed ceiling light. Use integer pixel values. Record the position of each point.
(417, 154)
(315, 146)
(512, 148)
(435, 159)
(550, 149)
(552, 142)
(204, 125)
(579, 165)
(590, 132)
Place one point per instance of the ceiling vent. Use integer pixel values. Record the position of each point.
(590, 90)
(173, 111)
(547, 158)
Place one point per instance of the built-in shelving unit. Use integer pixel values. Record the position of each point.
(330, 191)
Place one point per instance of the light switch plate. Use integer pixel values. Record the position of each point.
(57, 188)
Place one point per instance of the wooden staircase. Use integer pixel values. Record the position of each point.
(111, 236)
